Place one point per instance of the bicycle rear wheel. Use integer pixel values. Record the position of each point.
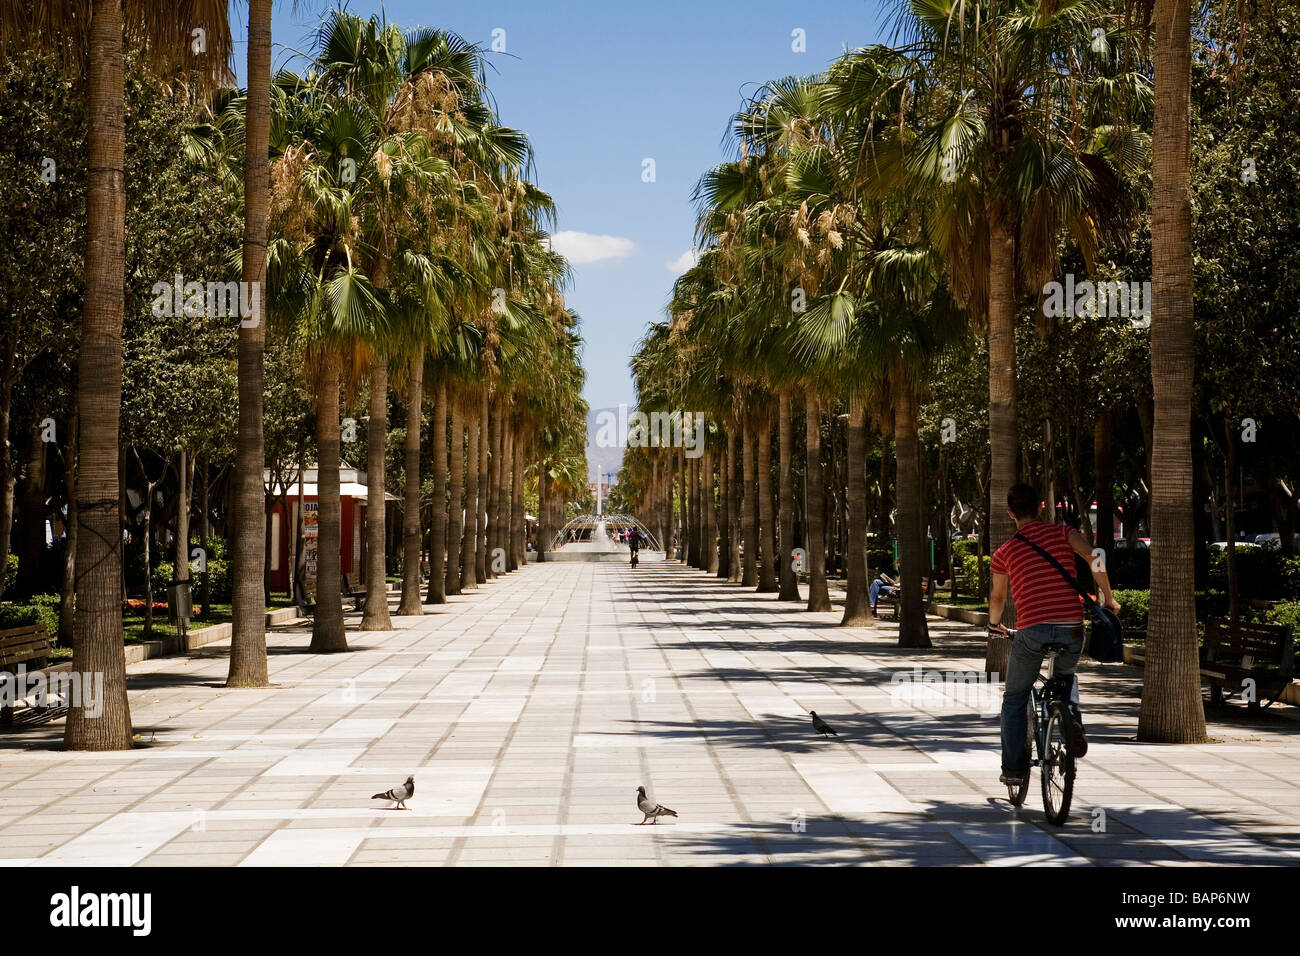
(1058, 764)
(1017, 794)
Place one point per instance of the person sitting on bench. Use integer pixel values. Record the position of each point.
(882, 585)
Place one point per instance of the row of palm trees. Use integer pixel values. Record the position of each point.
(873, 216)
(391, 224)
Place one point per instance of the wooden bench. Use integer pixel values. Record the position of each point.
(891, 599)
(357, 594)
(1264, 653)
(21, 645)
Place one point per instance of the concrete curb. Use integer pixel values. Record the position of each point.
(172, 646)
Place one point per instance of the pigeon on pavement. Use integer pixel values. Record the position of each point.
(821, 726)
(652, 811)
(400, 793)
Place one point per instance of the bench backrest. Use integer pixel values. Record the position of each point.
(1271, 643)
(20, 644)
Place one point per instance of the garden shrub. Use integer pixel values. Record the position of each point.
(1134, 606)
(1288, 613)
(41, 609)
(970, 568)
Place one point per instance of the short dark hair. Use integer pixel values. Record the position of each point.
(1023, 500)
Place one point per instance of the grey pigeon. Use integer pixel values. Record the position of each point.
(400, 793)
(652, 811)
(823, 728)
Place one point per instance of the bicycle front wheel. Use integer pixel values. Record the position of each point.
(1057, 771)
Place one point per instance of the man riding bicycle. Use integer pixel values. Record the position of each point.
(1048, 611)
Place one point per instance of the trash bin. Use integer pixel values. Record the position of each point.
(179, 605)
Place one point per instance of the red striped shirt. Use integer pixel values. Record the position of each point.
(1040, 593)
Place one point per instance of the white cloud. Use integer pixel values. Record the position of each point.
(584, 247)
(683, 262)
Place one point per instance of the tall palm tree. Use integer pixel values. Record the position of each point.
(1172, 710)
(248, 665)
(89, 35)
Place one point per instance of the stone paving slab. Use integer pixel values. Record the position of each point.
(531, 708)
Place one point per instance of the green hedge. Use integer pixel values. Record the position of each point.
(1134, 607)
(961, 549)
(41, 609)
(218, 580)
(1288, 613)
(970, 569)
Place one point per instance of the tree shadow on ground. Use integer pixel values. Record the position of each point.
(944, 833)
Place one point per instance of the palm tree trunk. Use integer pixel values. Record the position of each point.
(766, 518)
(469, 540)
(184, 492)
(724, 511)
(518, 520)
(375, 617)
(691, 469)
(506, 508)
(857, 604)
(248, 666)
(438, 511)
(410, 603)
(327, 632)
(98, 646)
(912, 630)
(734, 497)
(68, 590)
(684, 502)
(1003, 442)
(480, 510)
(710, 542)
(495, 558)
(789, 579)
(750, 451)
(814, 495)
(544, 531)
(1172, 711)
(455, 514)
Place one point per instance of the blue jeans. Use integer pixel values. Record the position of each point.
(1022, 669)
(876, 587)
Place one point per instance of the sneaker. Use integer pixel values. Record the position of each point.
(1078, 738)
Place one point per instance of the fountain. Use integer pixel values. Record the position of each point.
(587, 538)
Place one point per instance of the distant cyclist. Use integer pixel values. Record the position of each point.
(1048, 611)
(634, 543)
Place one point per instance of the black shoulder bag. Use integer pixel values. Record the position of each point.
(1106, 645)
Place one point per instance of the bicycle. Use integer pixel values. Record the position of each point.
(1049, 730)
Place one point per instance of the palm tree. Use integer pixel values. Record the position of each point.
(1003, 146)
(248, 665)
(1172, 710)
(88, 34)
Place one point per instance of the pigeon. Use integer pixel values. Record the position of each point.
(652, 811)
(400, 793)
(823, 728)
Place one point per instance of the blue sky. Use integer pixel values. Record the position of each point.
(602, 85)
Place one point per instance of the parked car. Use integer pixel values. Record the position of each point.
(1223, 545)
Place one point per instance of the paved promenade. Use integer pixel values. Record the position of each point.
(531, 709)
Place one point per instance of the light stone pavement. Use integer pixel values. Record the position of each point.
(531, 709)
